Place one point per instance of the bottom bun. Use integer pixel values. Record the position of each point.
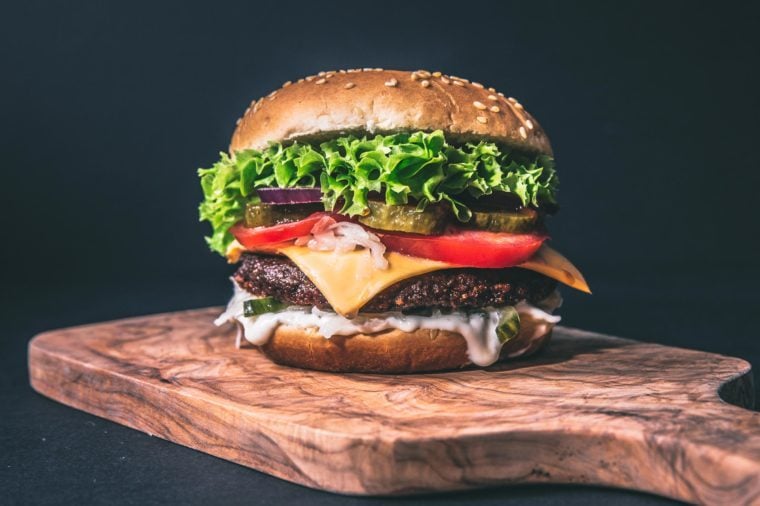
(391, 351)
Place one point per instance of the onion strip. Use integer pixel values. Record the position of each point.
(330, 235)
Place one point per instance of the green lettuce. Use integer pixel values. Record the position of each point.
(416, 167)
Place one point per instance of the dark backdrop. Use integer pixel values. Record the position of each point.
(107, 110)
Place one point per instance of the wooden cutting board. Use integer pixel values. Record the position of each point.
(590, 409)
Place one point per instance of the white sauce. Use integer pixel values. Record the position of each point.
(478, 329)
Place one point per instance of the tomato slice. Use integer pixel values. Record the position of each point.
(468, 248)
(255, 238)
(270, 238)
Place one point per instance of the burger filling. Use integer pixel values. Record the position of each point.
(447, 290)
(418, 169)
(406, 231)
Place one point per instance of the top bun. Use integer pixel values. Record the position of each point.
(387, 101)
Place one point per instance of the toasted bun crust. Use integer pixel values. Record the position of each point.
(386, 101)
(392, 351)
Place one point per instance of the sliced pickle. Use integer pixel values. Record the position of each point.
(509, 324)
(266, 215)
(382, 216)
(255, 307)
(520, 221)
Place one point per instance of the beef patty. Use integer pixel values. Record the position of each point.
(466, 288)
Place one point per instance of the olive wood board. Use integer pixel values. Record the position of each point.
(589, 409)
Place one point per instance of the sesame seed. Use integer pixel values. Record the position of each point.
(271, 95)
(479, 105)
(512, 100)
(437, 74)
(529, 124)
(286, 84)
(425, 83)
(415, 76)
(493, 97)
(494, 108)
(320, 74)
(367, 69)
(445, 81)
(461, 79)
(492, 90)
(478, 85)
(239, 120)
(300, 80)
(257, 106)
(423, 74)
(348, 86)
(351, 71)
(310, 78)
(320, 81)
(482, 119)
(247, 110)
(518, 105)
(523, 133)
(329, 75)
(341, 71)
(253, 102)
(458, 83)
(390, 83)
(378, 69)
(501, 94)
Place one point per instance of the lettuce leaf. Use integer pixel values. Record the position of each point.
(416, 167)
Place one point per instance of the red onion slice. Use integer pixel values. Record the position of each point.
(289, 195)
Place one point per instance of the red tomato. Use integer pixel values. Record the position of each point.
(254, 238)
(468, 248)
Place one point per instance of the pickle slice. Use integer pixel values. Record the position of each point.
(509, 324)
(255, 307)
(520, 221)
(266, 215)
(382, 216)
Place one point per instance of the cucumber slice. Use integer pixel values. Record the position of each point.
(520, 221)
(266, 215)
(254, 307)
(509, 324)
(382, 216)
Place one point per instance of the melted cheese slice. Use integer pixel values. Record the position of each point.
(234, 250)
(350, 280)
(550, 263)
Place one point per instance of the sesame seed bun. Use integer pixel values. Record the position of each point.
(387, 101)
(391, 351)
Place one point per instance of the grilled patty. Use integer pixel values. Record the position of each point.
(279, 277)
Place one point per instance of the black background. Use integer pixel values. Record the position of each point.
(106, 110)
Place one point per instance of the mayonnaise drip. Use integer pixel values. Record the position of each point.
(478, 329)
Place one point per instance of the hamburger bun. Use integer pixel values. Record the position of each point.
(391, 351)
(386, 101)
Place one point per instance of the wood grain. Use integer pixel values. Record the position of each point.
(589, 409)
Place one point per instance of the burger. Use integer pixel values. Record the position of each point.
(388, 221)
